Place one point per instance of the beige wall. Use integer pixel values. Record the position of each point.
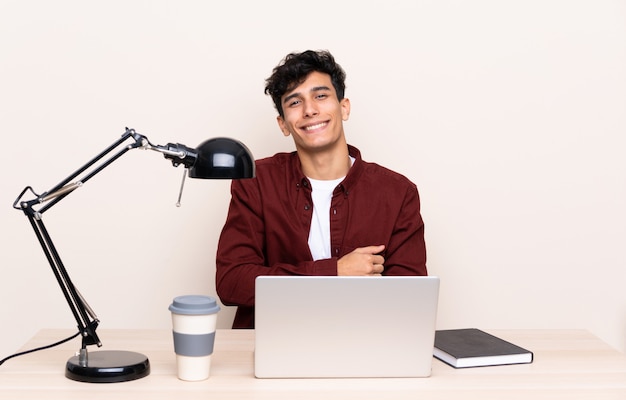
(509, 116)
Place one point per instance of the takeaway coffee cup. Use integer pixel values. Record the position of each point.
(194, 318)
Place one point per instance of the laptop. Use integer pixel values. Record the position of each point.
(345, 327)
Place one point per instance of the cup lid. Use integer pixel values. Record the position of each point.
(194, 305)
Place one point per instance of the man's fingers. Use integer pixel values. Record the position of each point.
(371, 249)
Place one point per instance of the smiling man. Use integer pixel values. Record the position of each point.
(321, 210)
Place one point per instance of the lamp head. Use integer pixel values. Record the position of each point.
(222, 158)
(217, 158)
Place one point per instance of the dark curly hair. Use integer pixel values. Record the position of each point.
(294, 69)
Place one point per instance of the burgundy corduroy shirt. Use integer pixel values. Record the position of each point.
(269, 218)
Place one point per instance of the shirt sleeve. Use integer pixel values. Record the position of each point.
(406, 252)
(241, 253)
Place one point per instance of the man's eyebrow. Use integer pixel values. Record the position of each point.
(297, 94)
(291, 96)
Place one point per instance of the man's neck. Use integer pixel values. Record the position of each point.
(326, 165)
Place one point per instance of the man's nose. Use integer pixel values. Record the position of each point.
(310, 109)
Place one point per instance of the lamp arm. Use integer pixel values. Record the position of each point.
(63, 188)
(85, 318)
(33, 209)
(177, 153)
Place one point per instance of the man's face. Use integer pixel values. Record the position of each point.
(313, 114)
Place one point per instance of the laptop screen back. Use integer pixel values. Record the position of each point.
(322, 327)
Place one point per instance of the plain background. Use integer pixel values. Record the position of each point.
(510, 116)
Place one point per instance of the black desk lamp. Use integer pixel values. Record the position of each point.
(218, 158)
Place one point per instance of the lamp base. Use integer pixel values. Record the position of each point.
(108, 366)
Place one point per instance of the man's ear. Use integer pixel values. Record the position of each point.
(282, 126)
(345, 109)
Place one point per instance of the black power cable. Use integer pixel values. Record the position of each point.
(39, 348)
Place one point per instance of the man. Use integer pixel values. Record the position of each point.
(320, 210)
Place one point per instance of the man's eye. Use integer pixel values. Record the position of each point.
(321, 96)
(294, 103)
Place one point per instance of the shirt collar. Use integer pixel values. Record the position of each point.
(351, 178)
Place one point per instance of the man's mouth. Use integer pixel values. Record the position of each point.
(314, 127)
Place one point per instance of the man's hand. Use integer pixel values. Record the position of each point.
(362, 261)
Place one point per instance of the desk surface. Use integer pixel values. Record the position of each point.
(568, 364)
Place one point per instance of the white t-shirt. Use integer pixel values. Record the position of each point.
(319, 235)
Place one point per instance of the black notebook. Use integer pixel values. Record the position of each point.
(462, 348)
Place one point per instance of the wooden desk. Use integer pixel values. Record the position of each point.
(568, 365)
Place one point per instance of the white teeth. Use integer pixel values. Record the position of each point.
(312, 127)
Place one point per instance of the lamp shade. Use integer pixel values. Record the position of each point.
(223, 158)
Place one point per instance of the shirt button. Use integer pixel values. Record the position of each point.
(307, 207)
